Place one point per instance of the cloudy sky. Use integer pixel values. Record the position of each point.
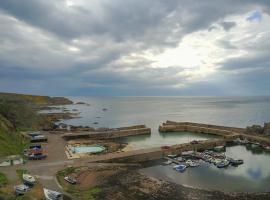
(135, 47)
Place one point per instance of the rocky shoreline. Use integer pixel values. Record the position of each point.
(130, 184)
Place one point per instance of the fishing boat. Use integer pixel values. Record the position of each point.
(52, 195)
(28, 179)
(70, 179)
(180, 168)
(21, 189)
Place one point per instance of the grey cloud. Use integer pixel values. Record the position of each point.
(227, 25)
(255, 62)
(226, 44)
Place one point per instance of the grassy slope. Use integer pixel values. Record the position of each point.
(11, 143)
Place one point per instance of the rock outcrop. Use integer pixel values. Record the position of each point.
(266, 129)
(259, 130)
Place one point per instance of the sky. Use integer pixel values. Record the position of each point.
(135, 47)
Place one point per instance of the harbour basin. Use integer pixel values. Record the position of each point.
(252, 176)
(163, 139)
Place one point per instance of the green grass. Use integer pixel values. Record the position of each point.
(11, 143)
(3, 179)
(20, 173)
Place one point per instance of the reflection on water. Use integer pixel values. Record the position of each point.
(161, 139)
(253, 175)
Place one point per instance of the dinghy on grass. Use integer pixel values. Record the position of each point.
(21, 189)
(28, 179)
(70, 180)
(52, 195)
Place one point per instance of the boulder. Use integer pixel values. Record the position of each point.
(254, 129)
(266, 129)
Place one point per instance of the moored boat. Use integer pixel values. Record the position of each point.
(237, 162)
(192, 163)
(180, 168)
(180, 159)
(187, 153)
(219, 148)
(172, 155)
(52, 195)
(223, 163)
(168, 162)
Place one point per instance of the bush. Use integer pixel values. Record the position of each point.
(3, 179)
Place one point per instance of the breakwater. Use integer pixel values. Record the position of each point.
(170, 126)
(109, 134)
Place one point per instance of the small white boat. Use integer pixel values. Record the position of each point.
(28, 179)
(168, 162)
(172, 155)
(180, 159)
(21, 189)
(52, 195)
(187, 153)
(192, 163)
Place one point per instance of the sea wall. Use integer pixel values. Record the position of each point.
(110, 134)
(155, 153)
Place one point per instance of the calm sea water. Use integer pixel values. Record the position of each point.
(125, 111)
(253, 175)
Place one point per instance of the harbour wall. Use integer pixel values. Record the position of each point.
(110, 134)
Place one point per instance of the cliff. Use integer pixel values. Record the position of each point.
(35, 99)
